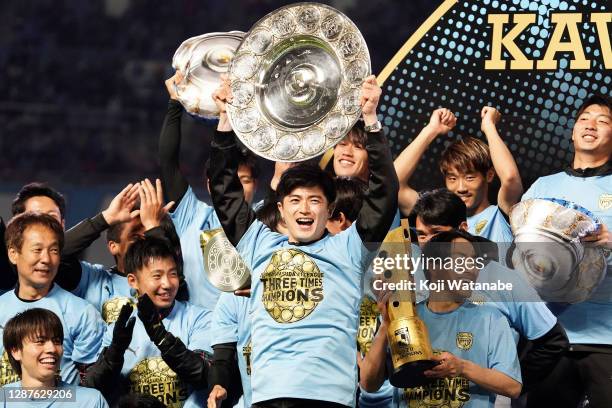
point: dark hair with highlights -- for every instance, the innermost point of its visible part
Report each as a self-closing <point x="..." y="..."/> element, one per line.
<point x="30" y="325"/>
<point x="37" y="189"/>
<point x="467" y="156"/>
<point x="305" y="175"/>
<point x="14" y="234"/>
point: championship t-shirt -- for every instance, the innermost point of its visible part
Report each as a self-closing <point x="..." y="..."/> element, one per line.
<point x="83" y="330"/>
<point x="60" y="397"/>
<point x="588" y="322"/>
<point x="144" y="370"/>
<point x="479" y="334"/>
<point x="490" y="224"/>
<point x="191" y="218"/>
<point x="231" y="323"/>
<point x="106" y="290"/>
<point x="304" y="311"/>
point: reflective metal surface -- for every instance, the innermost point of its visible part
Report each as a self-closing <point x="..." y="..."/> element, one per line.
<point x="202" y="60"/>
<point x="549" y="252"/>
<point x="225" y="268"/>
<point x="296" y="79"/>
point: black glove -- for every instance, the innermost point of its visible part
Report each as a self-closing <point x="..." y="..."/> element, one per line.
<point x="122" y="333"/>
<point x="148" y="314"/>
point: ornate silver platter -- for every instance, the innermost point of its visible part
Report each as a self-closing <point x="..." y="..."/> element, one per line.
<point x="202" y="60"/>
<point x="296" y="81"/>
<point x="548" y="250"/>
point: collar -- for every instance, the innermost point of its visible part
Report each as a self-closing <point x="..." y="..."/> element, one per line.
<point x="603" y="170"/>
<point x="325" y="233"/>
<point x="16" y="290"/>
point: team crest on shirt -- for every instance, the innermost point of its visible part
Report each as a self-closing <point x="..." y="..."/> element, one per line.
<point x="480" y="226"/>
<point x="465" y="340"/>
<point x="368" y="319"/>
<point x="605" y="201"/>
<point x="292" y="286"/>
<point x="112" y="307"/>
<point x="153" y="376"/>
<point x="246" y="352"/>
<point x="7" y="374"/>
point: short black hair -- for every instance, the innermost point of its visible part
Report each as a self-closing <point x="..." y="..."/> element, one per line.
<point x="144" y="250"/>
<point x="37" y="189"/>
<point x="595" y="99"/>
<point x="269" y="215"/>
<point x="306" y="175"/>
<point x="30" y="324"/>
<point x="349" y="197"/>
<point x="435" y="247"/>
<point x="15" y="229"/>
<point x="440" y="207"/>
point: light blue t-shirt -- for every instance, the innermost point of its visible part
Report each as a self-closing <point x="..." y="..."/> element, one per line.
<point x="479" y="334"/>
<point x="588" y="322"/>
<point x="490" y="224"/>
<point x="526" y="314"/>
<point x="231" y="323"/>
<point x="83" y="330"/>
<point x="102" y="288"/>
<point x="191" y="217"/>
<point x="304" y="310"/>
<point x="83" y="398"/>
<point x="146" y="372"/>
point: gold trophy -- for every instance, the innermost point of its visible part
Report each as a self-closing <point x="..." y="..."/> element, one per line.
<point x="411" y="352"/>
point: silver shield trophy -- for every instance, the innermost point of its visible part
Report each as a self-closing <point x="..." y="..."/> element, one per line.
<point x="296" y="80"/>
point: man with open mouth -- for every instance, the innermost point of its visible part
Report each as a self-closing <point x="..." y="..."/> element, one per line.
<point x="306" y="285"/>
<point x="33" y="340"/>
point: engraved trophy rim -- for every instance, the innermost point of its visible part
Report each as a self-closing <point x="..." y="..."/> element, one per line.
<point x="296" y="136"/>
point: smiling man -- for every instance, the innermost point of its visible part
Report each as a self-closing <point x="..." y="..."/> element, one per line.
<point x="472" y="344"/>
<point x="306" y="286"/>
<point x="34" y="339"/>
<point x="468" y="166"/>
<point x="166" y="355"/>
<point x="587" y="367"/>
<point x="34" y="242"/>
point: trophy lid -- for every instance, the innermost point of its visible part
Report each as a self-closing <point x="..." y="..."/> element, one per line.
<point x="202" y="60"/>
<point x="296" y="81"/>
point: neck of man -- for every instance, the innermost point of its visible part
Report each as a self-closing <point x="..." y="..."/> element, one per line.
<point x="29" y="292"/>
<point x="584" y="160"/>
<point x="484" y="204"/>
<point x="440" y="302"/>
<point x="31" y="382"/>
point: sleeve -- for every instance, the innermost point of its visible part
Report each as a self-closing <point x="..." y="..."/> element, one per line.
<point x="501" y="347"/>
<point x="535" y="319"/>
<point x="539" y="356"/>
<point x="91" y="277"/>
<point x="175" y="183"/>
<point x="380" y="201"/>
<point x="87" y="333"/>
<point x="190" y="362"/>
<point x="234" y="212"/>
<point x="81" y="236"/>
<point x="186" y="211"/>
<point x="224" y="324"/>
<point x="224" y="370"/>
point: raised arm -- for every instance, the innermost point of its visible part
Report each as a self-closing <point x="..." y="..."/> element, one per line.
<point x="380" y="201"/>
<point x="173" y="180"/>
<point x="234" y="212"/>
<point x="511" y="186"/>
<point x="441" y="122"/>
